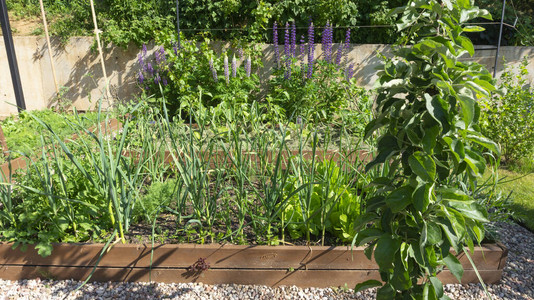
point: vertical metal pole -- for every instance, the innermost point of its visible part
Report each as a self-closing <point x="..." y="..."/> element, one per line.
<point x="500" y="37"/>
<point x="11" y="56"/>
<point x="178" y="21"/>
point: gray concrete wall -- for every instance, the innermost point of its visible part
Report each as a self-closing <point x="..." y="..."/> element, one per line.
<point x="79" y="72"/>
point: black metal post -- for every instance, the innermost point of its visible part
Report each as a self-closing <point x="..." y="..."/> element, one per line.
<point x="499" y="41"/>
<point x="11" y="56"/>
<point x="178" y="21"/>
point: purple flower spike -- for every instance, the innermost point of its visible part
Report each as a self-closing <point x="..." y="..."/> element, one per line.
<point x="160" y="56"/>
<point x="275" y="42"/>
<point x="226" y="71"/>
<point x="141" y="77"/>
<point x="213" y="71"/>
<point x="347" y="39"/>
<point x="248" y="66"/>
<point x="327" y="42"/>
<point x="150" y="69"/>
<point x="293" y="40"/>
<point x="311" y="50"/>
<point x="164" y="80"/>
<point x="144" y="50"/>
<point x="338" y="55"/>
<point x="287" y="45"/>
<point x="234" y="67"/>
<point x="175" y="48"/>
<point x="240" y="53"/>
<point x="287" y="73"/>
<point x="350" y="72"/>
<point x="287" y="52"/>
<point x="157" y="79"/>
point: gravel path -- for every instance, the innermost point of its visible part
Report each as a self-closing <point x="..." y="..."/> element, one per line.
<point x="517" y="283"/>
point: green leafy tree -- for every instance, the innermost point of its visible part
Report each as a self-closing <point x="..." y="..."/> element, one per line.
<point x="427" y="118"/>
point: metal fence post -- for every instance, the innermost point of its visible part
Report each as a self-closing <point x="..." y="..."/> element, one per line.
<point x="11" y="56"/>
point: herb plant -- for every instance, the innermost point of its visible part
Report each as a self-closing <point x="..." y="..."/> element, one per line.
<point x="429" y="137"/>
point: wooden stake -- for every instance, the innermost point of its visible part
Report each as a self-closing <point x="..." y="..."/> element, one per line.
<point x="97" y="33"/>
<point x="43" y="15"/>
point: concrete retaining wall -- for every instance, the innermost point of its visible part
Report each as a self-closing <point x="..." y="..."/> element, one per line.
<point x="79" y="72"/>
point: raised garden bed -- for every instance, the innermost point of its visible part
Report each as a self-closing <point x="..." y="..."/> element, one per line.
<point x="303" y="266"/>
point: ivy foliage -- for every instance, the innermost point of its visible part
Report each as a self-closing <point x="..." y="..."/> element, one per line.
<point x="427" y="120"/>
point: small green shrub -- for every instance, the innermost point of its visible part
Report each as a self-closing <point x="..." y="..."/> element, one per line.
<point x="508" y="119"/>
<point x="157" y="196"/>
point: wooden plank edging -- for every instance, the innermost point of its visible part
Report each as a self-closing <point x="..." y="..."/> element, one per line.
<point x="267" y="265"/>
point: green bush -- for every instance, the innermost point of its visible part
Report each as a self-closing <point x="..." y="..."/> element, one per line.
<point x="192" y="76"/>
<point x="427" y="123"/>
<point x="508" y="119"/>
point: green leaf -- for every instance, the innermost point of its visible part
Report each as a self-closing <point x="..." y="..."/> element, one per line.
<point x="44" y="249"/>
<point x="472" y="28"/>
<point x="421" y="197"/>
<point x="387" y="292"/>
<point x="429" y="139"/>
<point x="467" y="45"/>
<point x="437" y="110"/>
<point x="433" y="233"/>
<point x="464" y="3"/>
<point x="470" y="210"/>
<point x="385" y="250"/>
<point x="367" y="285"/>
<point x="491" y="145"/>
<point x="467" y="104"/>
<point x="454" y="266"/>
<point x="438" y="286"/>
<point x="423" y="166"/>
<point x="401" y="277"/>
<point x="428" y="292"/>
<point x="399" y="198"/>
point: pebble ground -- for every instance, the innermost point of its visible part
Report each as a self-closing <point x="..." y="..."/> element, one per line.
<point x="517" y="283"/>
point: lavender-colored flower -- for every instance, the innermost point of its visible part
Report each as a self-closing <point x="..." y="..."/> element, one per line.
<point x="160" y="56"/>
<point x="287" y="73"/>
<point x="311" y="50"/>
<point x="240" y="53"/>
<point x="350" y="72"/>
<point x="141" y="62"/>
<point x="226" y="71"/>
<point x="347" y="39"/>
<point x="275" y="42"/>
<point x="234" y="66"/>
<point x="141" y="77"/>
<point x="213" y="71"/>
<point x="149" y="69"/>
<point x="344" y="48"/>
<point x="287" y="45"/>
<point x="144" y="50"/>
<point x="293" y="40"/>
<point x="302" y="46"/>
<point x="248" y="66"/>
<point x="175" y="48"/>
<point x="157" y="78"/>
<point x="164" y="81"/>
<point x="327" y="42"/>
